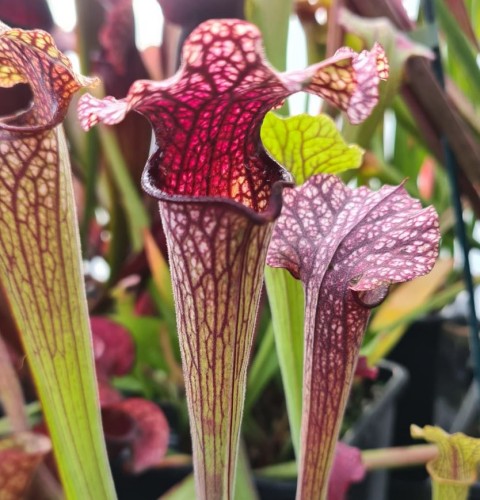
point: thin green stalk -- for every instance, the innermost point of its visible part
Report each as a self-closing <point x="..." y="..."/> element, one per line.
<point x="286" y="298"/>
<point x="459" y="47"/>
<point x="87" y="28"/>
<point x="272" y="17"/>
<point x="263" y="368"/>
<point x="90" y="170"/>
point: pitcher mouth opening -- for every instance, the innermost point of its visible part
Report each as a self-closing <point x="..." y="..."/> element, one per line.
<point x="14" y="102"/>
<point x="267" y="214"/>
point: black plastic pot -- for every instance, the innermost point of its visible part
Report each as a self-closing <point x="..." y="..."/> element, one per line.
<point x="150" y="485"/>
<point x="275" y="489"/>
<point x="374" y="429"/>
<point x="474" y="492"/>
<point x="153" y="483"/>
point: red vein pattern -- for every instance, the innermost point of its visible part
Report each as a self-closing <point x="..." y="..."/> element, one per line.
<point x="346" y="246"/>
<point x="20" y="456"/>
<point x="207" y="117"/>
<point x="219" y="193"/>
<point x="40" y="266"/>
<point x="217" y="256"/>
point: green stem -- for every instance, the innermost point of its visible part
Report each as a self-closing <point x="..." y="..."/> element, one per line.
<point x="286" y="298"/>
<point x="272" y="17"/>
<point x="263" y="368"/>
<point x="90" y="169"/>
<point x="87" y="28"/>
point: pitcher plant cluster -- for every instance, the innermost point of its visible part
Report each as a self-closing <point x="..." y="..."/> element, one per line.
<point x="228" y="207"/>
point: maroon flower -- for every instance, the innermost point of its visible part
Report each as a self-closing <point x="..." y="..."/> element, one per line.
<point x="219" y="193"/>
<point x="346" y="246"/>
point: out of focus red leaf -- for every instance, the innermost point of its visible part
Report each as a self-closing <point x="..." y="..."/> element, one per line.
<point x="393" y="9"/>
<point x="120" y="430"/>
<point x="193" y="12"/>
<point x="144" y="305"/>
<point x="150" y="442"/>
<point x="26" y="14"/>
<point x="108" y="395"/>
<point x="119" y="65"/>
<point x="117" y="35"/>
<point x="113" y="347"/>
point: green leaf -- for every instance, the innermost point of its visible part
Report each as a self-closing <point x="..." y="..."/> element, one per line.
<point x="284" y="470"/>
<point x="182" y="491"/>
<point x="460" y="51"/>
<point x="263" y="368"/>
<point x="286" y="298"/>
<point x="145" y="333"/>
<point x="160" y="289"/>
<point x="137" y="216"/>
<point x="272" y="17"/>
<point x="308" y="145"/>
<point x="159" y="269"/>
